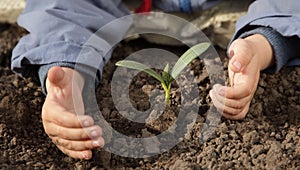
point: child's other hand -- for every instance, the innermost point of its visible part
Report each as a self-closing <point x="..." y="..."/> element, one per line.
<point x="73" y="132"/>
<point x="247" y="58"/>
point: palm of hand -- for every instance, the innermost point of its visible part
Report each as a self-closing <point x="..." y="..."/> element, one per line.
<point x="74" y="133"/>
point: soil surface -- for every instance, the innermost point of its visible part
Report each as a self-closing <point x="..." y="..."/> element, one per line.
<point x="268" y="138"/>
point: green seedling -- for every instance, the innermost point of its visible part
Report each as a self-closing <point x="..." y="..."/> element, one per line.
<point x="167" y="77"/>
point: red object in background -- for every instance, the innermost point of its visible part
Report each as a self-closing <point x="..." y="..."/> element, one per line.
<point x="145" y="7"/>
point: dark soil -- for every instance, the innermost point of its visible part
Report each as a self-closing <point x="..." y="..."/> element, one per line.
<point x="268" y="138"/>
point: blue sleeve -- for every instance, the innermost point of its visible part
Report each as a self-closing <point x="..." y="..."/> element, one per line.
<point x="187" y="6"/>
<point x="279" y="22"/>
<point x="58" y="31"/>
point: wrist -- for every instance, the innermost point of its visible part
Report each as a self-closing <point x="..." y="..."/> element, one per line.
<point x="262" y="49"/>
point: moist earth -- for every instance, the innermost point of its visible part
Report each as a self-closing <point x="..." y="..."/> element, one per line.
<point x="268" y="138"/>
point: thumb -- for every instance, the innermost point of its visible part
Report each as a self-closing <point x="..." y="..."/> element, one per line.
<point x="240" y="55"/>
<point x="56" y="76"/>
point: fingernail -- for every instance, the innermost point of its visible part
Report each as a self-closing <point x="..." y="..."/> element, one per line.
<point x="222" y="91"/>
<point x="86" y="123"/>
<point x="96" y="144"/>
<point x="211" y="94"/>
<point x="94" y="133"/>
<point x="237" y="65"/>
<point x="230" y="54"/>
<point x="216" y="87"/>
<point x="84" y="155"/>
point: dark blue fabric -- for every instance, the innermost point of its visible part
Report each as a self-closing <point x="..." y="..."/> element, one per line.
<point x="185" y="6"/>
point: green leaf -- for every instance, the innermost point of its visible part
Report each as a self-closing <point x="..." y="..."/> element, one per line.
<point x="165" y="74"/>
<point x="166" y="69"/>
<point x="187" y="57"/>
<point x="141" y="67"/>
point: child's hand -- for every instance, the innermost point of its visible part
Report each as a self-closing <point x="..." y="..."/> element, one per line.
<point x="73" y="133"/>
<point x="247" y="58"/>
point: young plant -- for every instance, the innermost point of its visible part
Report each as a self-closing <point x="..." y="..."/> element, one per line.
<point x="166" y="78"/>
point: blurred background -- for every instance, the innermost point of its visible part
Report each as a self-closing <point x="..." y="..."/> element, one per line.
<point x="10" y="10"/>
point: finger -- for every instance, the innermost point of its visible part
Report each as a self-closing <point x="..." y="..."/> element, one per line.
<point x="238" y="91"/>
<point x="222" y="108"/>
<point x="240" y="55"/>
<point x="231" y="76"/>
<point x="233" y="103"/>
<point x="239" y="116"/>
<point x="86" y="155"/>
<point x="66" y="119"/>
<point x="78" y="145"/>
<point x="73" y="133"/>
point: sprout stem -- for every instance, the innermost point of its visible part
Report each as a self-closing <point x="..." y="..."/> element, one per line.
<point x="167" y="94"/>
<point x="167" y="97"/>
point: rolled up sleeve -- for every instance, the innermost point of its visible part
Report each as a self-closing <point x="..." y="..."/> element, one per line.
<point x="59" y="31"/>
